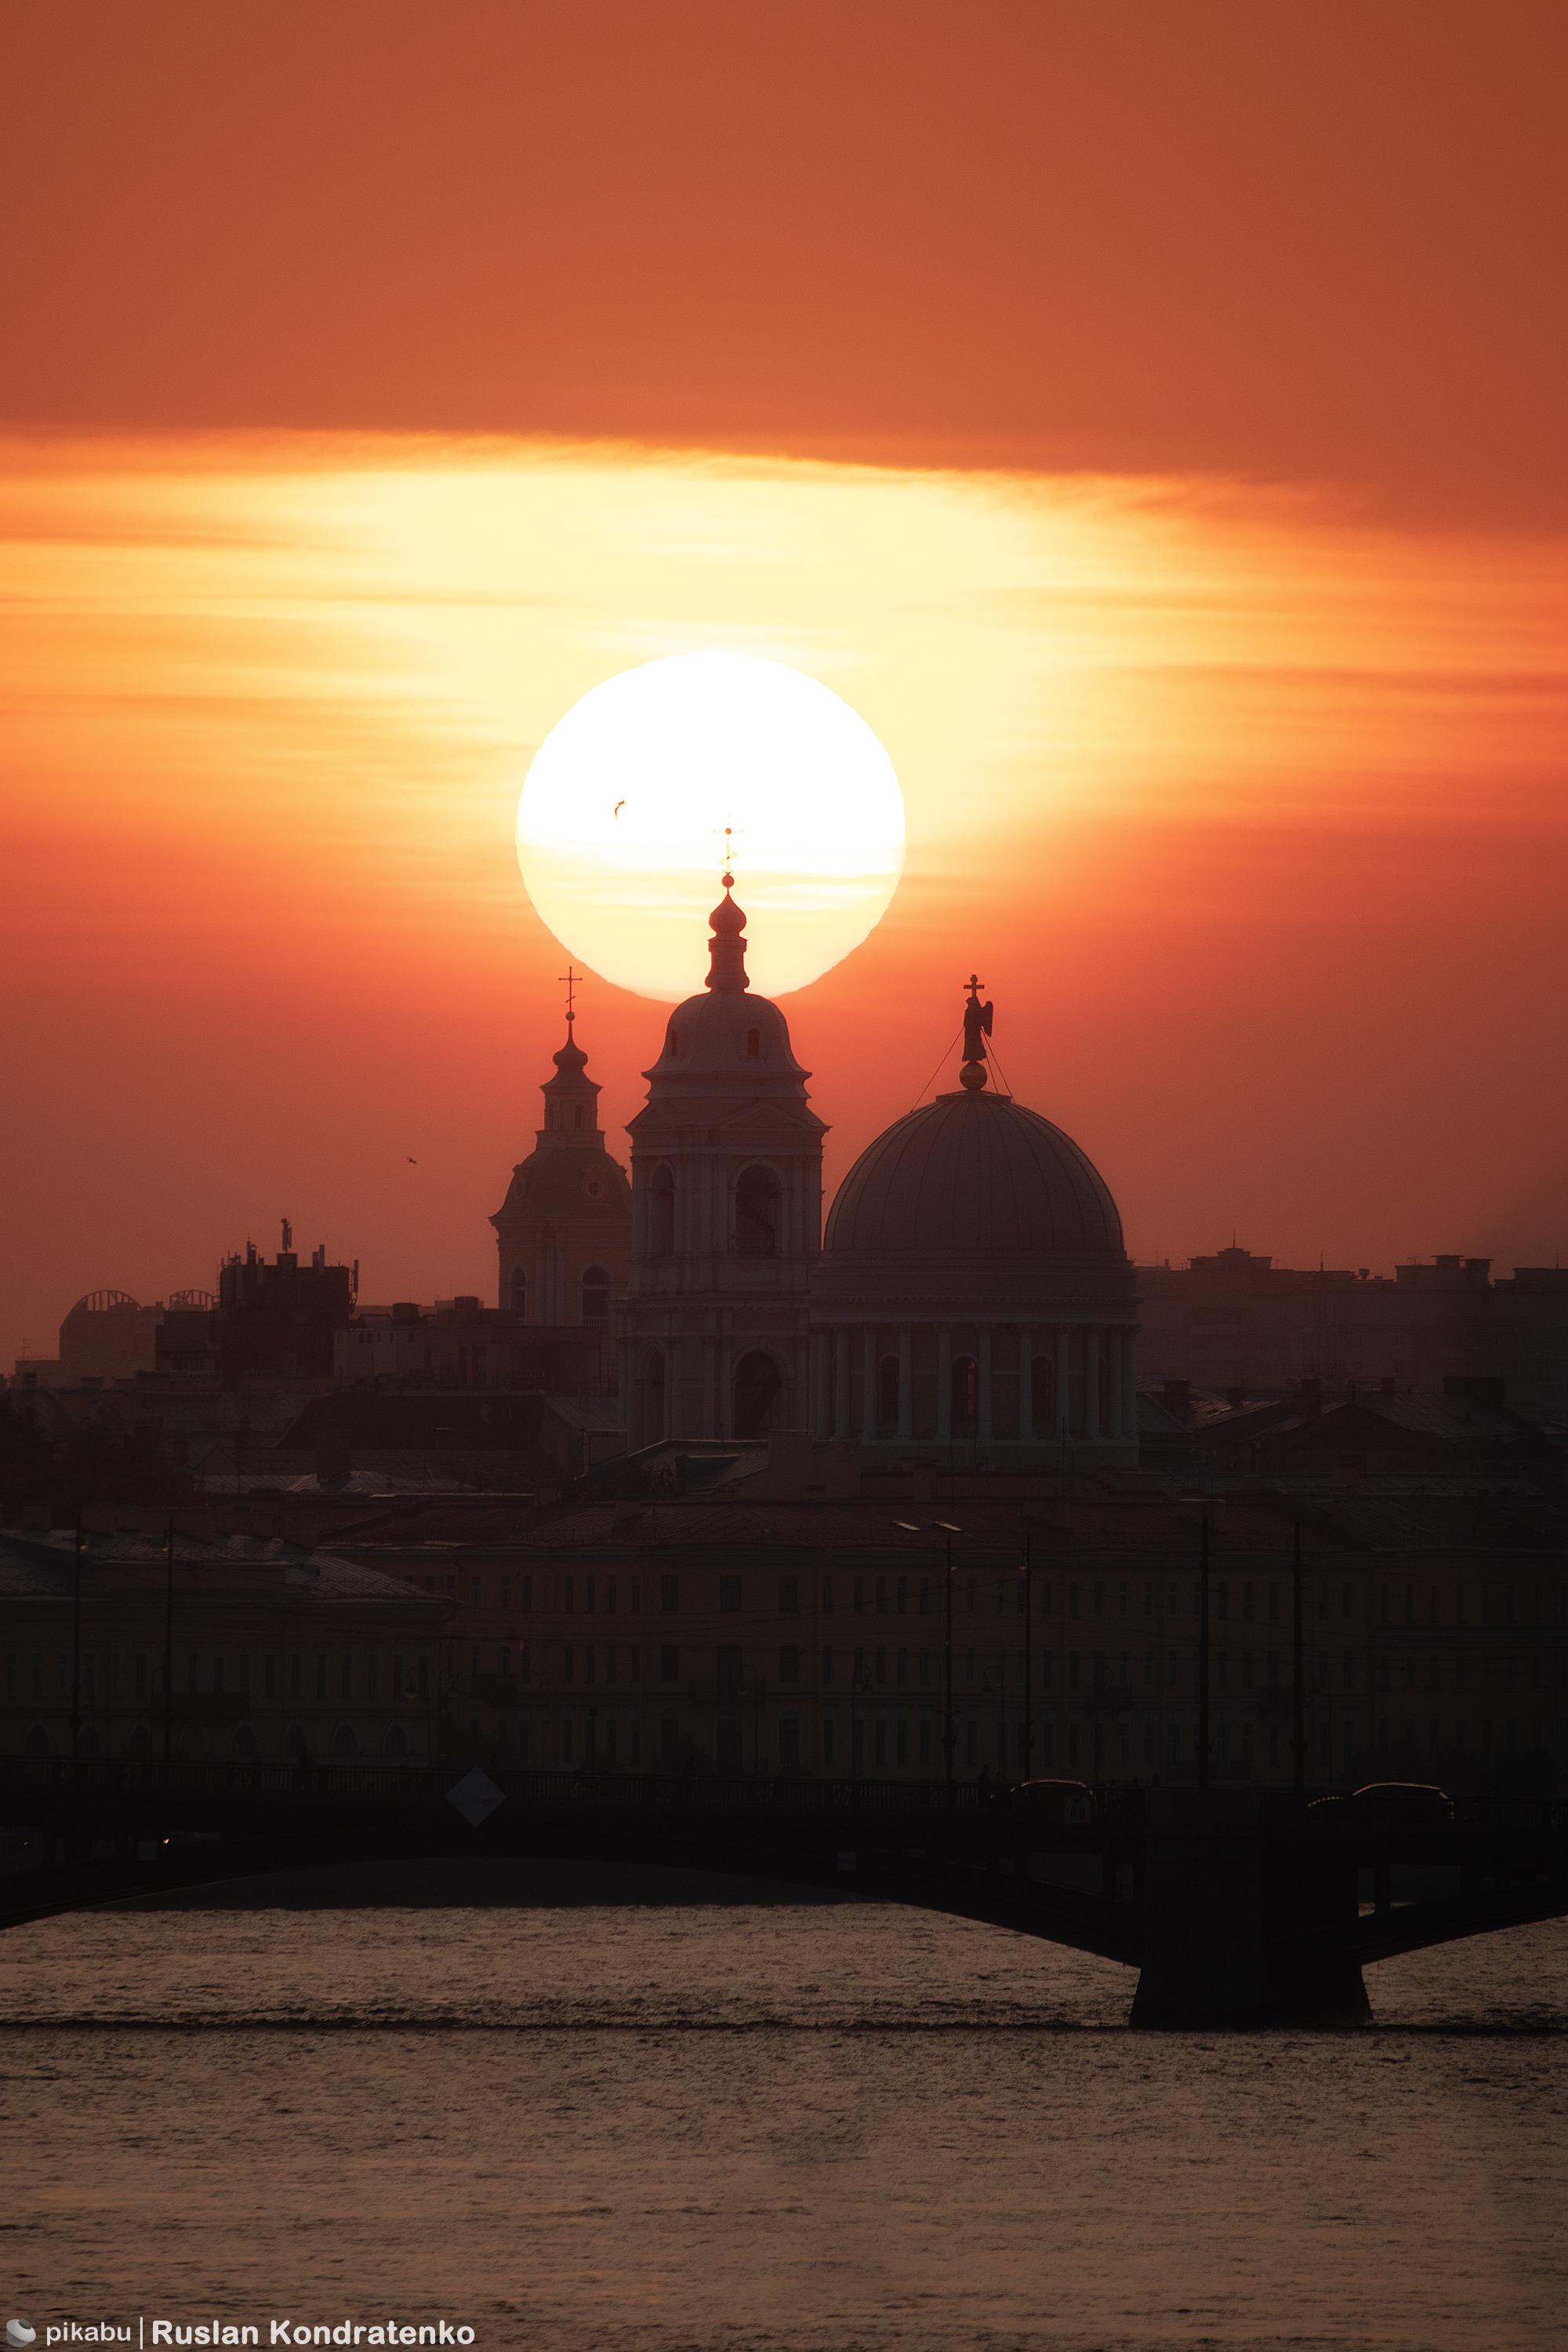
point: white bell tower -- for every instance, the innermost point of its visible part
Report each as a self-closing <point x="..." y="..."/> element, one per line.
<point x="726" y="1217"/>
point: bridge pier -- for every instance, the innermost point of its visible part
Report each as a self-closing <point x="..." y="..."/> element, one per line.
<point x="1234" y="1901"/>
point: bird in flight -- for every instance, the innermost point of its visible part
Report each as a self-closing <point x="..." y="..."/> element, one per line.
<point x="618" y="807"/>
<point x="413" y="1163"/>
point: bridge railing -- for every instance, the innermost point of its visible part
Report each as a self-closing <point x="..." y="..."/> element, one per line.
<point x="142" y="1780"/>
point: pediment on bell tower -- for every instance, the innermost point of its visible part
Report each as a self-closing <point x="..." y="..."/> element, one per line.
<point x="789" y="1122"/>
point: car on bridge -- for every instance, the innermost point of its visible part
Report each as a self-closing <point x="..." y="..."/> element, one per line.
<point x="1056" y="1804"/>
<point x="1392" y="1804"/>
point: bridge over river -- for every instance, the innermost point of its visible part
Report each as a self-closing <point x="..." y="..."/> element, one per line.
<point x="1238" y="1905"/>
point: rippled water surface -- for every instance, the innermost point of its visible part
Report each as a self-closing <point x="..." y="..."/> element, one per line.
<point x="575" y="2107"/>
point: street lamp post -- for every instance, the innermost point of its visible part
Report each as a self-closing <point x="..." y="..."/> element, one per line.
<point x="169" y="1649"/>
<point x="1029" y="1658"/>
<point x="76" y="1648"/>
<point x="1204" y="1658"/>
<point x="1297" y="1692"/>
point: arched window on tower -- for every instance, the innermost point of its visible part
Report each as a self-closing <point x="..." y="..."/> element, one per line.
<point x="653" y="1427"/>
<point x="661" y="1214"/>
<point x="965" y="1396"/>
<point x="757" y="1213"/>
<point x="753" y="1045"/>
<point x="757" y="1393"/>
<point x="596" y="1296"/>
<point x="519" y="1291"/>
<point x="1043" y="1397"/>
<point x="888" y="1378"/>
<point x="576" y="1114"/>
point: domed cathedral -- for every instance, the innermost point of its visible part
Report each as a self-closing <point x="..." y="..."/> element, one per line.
<point x="562" y="1230"/>
<point x="974" y="1292"/>
<point x="726" y="1216"/>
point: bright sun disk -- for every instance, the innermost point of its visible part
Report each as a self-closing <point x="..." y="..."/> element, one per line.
<point x="620" y="828"/>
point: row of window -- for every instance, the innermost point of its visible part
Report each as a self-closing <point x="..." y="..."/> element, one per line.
<point x="903" y="1596"/>
<point x="295" y="1674"/>
<point x="881" y="1741"/>
<point x="1433" y="1669"/>
<point x="1509" y="1604"/>
<point x="245" y="1741"/>
<point x="613" y="1663"/>
<point x="593" y="1294"/>
<point x="348" y="1675"/>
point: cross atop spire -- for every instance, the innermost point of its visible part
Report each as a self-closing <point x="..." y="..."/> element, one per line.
<point x="729" y="831"/>
<point x="570" y="977"/>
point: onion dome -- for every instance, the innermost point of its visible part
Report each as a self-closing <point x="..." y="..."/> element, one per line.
<point x="711" y="1040"/>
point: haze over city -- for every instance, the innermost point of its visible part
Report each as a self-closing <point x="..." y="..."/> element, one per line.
<point x="1198" y="561"/>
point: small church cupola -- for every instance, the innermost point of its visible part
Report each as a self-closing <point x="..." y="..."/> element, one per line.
<point x="562" y="1230"/>
<point x="570" y="1097"/>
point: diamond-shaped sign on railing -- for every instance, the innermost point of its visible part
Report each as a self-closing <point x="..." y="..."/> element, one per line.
<point x="476" y="1797"/>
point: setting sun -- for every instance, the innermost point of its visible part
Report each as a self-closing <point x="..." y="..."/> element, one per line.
<point x="637" y="794"/>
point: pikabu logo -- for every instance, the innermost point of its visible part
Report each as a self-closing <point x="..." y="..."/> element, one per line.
<point x="18" y="2332"/>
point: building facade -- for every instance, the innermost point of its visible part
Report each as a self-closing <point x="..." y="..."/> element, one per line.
<point x="253" y="1649"/>
<point x="814" y="1640"/>
<point x="1236" y="1320"/>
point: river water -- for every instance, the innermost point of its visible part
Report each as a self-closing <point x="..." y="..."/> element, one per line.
<point x="594" y="2110"/>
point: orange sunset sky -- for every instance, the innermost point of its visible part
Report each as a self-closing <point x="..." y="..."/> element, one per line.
<point x="1150" y="418"/>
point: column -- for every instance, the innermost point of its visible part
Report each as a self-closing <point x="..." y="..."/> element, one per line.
<point x="906" y="1384"/>
<point x="841" y="1381"/>
<point x="630" y="1412"/>
<point x="674" y="1401"/>
<point x="983" y="1418"/>
<point x="1064" y="1380"/>
<point x="710" y="1387"/>
<point x="724" y="1418"/>
<point x="1091" y="1380"/>
<point x="869" y="1384"/>
<point x="1026" y="1382"/>
<point x="1128" y="1383"/>
<point x="944" y="1382"/>
<point x="1113" y="1384"/>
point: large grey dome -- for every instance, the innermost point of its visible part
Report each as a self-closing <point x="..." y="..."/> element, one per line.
<point x="974" y="1172"/>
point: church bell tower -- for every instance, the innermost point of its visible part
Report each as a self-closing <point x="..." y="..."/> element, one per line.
<point x="726" y="1217"/>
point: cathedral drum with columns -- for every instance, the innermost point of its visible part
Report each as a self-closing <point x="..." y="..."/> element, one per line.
<point x="973" y="1299"/>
